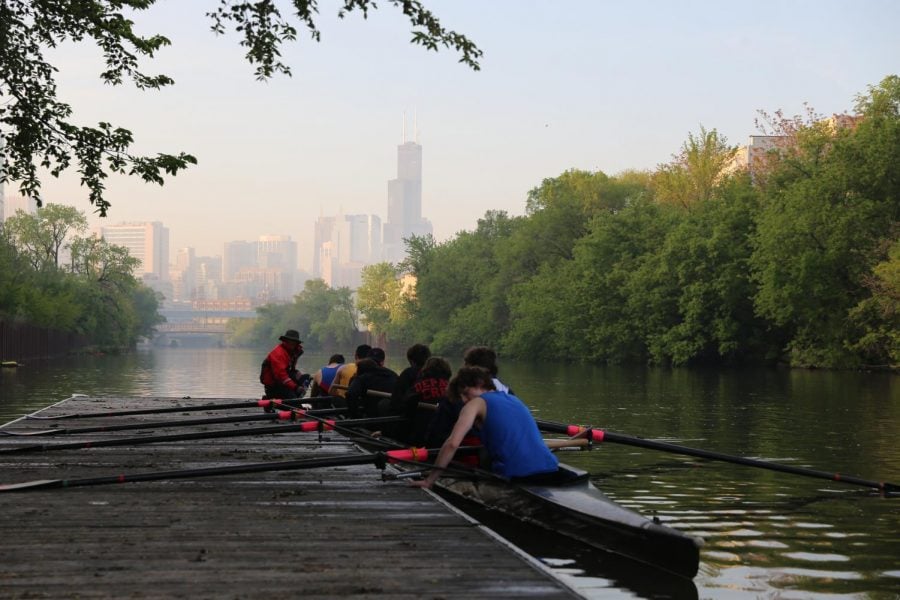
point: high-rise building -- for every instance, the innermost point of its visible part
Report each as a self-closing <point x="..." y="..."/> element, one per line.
<point x="9" y="204"/>
<point x="237" y="255"/>
<point x="343" y="246"/>
<point x="276" y="252"/>
<point x="147" y="242"/>
<point x="405" y="201"/>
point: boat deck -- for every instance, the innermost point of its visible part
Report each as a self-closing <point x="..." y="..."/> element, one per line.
<point x="332" y="532"/>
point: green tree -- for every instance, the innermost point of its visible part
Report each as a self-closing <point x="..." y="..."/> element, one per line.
<point x="537" y="262"/>
<point x="323" y="316"/>
<point x="37" y="125"/>
<point x="699" y="287"/>
<point x="42" y="235"/>
<point x="830" y="214"/>
<point x="878" y="317"/>
<point x="381" y="301"/>
<point x="459" y="296"/>
<point x="694" y="173"/>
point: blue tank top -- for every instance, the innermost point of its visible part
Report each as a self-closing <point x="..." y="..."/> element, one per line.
<point x="512" y="438"/>
<point x="328" y="377"/>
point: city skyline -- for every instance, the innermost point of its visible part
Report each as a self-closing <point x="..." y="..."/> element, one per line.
<point x="592" y="85"/>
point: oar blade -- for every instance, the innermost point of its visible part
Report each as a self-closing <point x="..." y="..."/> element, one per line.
<point x="31" y="433"/>
<point x="31" y="485"/>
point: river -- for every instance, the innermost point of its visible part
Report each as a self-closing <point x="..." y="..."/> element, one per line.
<point x="768" y="535"/>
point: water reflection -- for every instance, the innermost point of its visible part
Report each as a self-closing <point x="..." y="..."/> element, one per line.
<point x="768" y="534"/>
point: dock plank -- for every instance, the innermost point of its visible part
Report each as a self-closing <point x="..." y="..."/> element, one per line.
<point x="336" y="532"/>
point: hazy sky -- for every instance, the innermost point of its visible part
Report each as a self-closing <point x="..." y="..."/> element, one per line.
<point x="596" y="85"/>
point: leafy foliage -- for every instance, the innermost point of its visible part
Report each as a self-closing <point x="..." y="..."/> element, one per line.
<point x="323" y="316"/>
<point x="37" y="126"/>
<point x="95" y="295"/>
<point x="689" y="264"/>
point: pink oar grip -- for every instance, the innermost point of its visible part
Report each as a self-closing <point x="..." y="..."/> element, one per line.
<point x="314" y="426"/>
<point x="409" y="454"/>
<point x="575" y="430"/>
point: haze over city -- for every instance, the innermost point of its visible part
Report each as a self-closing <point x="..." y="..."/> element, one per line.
<point x="586" y="85"/>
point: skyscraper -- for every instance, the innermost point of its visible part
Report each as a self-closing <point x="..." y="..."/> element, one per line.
<point x="147" y="242"/>
<point x="343" y="246"/>
<point x="405" y="200"/>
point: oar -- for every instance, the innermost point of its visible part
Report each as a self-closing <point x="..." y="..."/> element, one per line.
<point x="281" y="415"/>
<point x="599" y="435"/>
<point x="378" y="459"/>
<point x="306" y="426"/>
<point x="266" y="403"/>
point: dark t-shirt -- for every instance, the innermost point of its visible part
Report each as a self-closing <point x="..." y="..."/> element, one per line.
<point x="359" y="402"/>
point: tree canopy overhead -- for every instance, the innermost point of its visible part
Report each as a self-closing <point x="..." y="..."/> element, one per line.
<point x="36" y="127"/>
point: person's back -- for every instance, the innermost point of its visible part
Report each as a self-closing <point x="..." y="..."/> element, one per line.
<point x="324" y="377"/>
<point x="278" y="372"/>
<point x="508" y="432"/>
<point x="370" y="376"/>
<point x="416" y="355"/>
<point x="511" y="437"/>
<point x="430" y="387"/>
<point x="345" y="373"/>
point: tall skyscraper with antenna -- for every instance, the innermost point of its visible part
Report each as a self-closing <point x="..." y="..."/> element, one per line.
<point x="404" y="215"/>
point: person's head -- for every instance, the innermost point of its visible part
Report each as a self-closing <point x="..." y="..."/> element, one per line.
<point x="481" y="356"/>
<point x="417" y="354"/>
<point x="362" y="351"/>
<point x="336" y="359"/>
<point x="291" y="339"/>
<point x="467" y="379"/>
<point x="437" y="367"/>
<point x="377" y="354"/>
<point x="365" y="365"/>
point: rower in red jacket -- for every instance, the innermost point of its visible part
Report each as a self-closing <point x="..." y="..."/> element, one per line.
<point x="279" y="372"/>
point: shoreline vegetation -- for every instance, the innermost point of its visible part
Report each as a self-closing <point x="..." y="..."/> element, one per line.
<point x="789" y="258"/>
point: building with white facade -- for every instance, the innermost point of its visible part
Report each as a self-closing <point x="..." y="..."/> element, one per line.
<point x="147" y="242"/>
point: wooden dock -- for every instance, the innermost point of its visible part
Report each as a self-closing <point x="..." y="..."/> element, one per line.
<point x="319" y="533"/>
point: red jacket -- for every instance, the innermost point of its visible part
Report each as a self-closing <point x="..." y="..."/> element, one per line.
<point x="280" y="367"/>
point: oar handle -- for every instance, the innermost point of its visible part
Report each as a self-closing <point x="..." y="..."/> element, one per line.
<point x="375" y="393"/>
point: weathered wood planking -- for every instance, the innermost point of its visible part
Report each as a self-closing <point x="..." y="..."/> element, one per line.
<point x="336" y="532"/>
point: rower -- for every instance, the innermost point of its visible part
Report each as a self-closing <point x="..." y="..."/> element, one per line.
<point x="323" y="377"/>
<point x="508" y="432"/>
<point x="416" y="355"/>
<point x="279" y="374"/>
<point x="430" y="427"/>
<point x="346" y="373"/>
<point x="371" y="374"/>
<point x="482" y="356"/>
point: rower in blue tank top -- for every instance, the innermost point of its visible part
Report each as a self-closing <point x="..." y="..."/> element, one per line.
<point x="323" y="378"/>
<point x="508" y="430"/>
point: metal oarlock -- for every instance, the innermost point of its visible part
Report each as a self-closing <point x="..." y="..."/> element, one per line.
<point x="385" y="476"/>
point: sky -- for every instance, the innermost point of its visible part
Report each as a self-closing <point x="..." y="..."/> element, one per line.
<point x="568" y="84"/>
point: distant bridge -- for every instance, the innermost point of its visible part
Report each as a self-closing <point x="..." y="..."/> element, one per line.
<point x="191" y="327"/>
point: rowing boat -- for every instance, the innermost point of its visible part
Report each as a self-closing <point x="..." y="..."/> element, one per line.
<point x="581" y="511"/>
<point x="577" y="510"/>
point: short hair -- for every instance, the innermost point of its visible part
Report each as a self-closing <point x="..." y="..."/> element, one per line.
<point x="336" y="358"/>
<point x="417" y="354"/>
<point x="436" y="366"/>
<point x="377" y="354"/>
<point x="469" y="377"/>
<point x="362" y="351"/>
<point x="365" y="365"/>
<point x="481" y="356"/>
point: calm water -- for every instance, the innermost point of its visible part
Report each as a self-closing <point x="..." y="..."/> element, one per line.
<point x="768" y="535"/>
